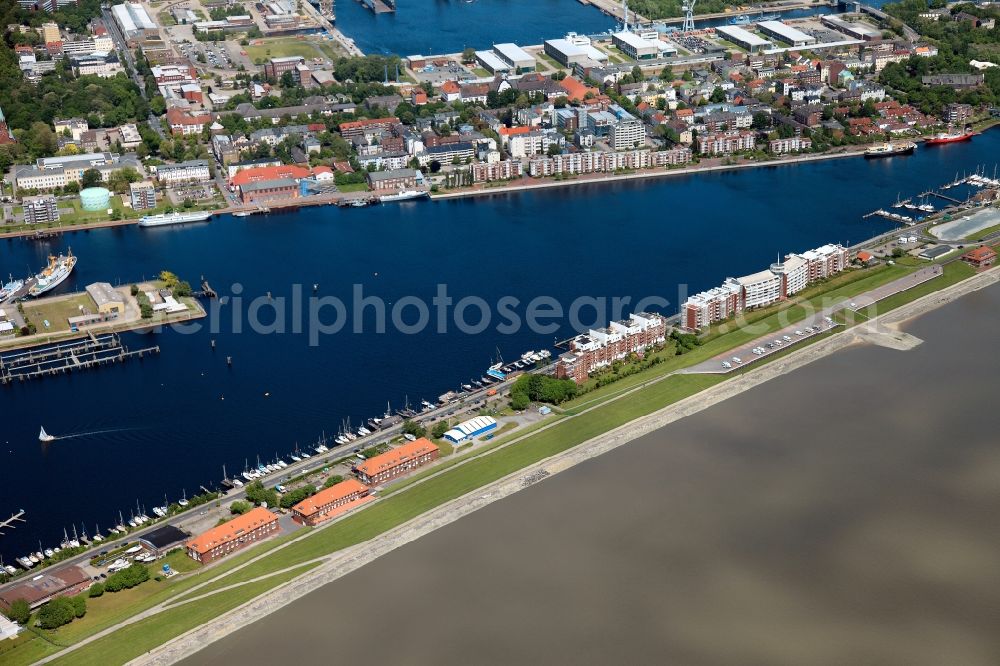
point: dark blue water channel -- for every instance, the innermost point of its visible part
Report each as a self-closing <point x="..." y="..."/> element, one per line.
<point x="185" y="413"/>
<point x="449" y="26"/>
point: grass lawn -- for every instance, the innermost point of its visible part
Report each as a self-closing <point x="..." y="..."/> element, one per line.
<point x="283" y="47"/>
<point x="983" y="233"/>
<point x="479" y="71"/>
<point x="131" y="641"/>
<point x="396" y="509"/>
<point x="56" y="312"/>
<point x="353" y="187"/>
<point x="445" y="447"/>
<point x="954" y="272"/>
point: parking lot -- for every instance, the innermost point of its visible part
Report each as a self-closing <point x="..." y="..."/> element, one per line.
<point x="765" y="346"/>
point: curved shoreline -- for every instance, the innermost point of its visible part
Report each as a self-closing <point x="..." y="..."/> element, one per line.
<point x="338" y="564"/>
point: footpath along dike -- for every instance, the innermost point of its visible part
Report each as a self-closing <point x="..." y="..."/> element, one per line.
<point x="338" y="564"/>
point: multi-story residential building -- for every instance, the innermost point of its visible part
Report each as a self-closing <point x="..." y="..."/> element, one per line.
<point x="40" y="209"/>
<point x="447" y="153"/>
<point x="50" y="32"/>
<point x="724" y="143"/>
<point x="254" y="525"/>
<point x="193" y="171"/>
<point x="397" y="461"/>
<point x="760" y="289"/>
<point x="780" y="281"/>
<point x="142" y="195"/>
<point x="791" y="144"/>
<point x="826" y="261"/>
<point x="599" y="348"/>
<point x="957" y="113"/>
<point x="354" y="128"/>
<point x="628" y="132"/>
<point x="502" y="170"/>
<point x="590" y="162"/>
<point x="714" y="305"/>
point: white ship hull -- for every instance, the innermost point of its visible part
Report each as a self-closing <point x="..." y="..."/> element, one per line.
<point x="403" y="195"/>
<point x="173" y="218"/>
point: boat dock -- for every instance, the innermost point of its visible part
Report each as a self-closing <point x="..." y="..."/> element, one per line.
<point x="66" y="357"/>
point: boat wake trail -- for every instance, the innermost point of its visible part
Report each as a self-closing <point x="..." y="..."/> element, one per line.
<point x="89" y="433"/>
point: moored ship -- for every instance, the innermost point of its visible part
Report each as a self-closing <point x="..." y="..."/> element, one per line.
<point x="948" y="137"/>
<point x="403" y="195"/>
<point x="164" y="219"/>
<point x="54" y="274"/>
<point x="891" y="148"/>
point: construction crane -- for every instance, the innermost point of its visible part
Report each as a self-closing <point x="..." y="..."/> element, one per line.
<point x="688" y="8"/>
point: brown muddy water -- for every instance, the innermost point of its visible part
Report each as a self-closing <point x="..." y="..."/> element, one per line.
<point x="844" y="514"/>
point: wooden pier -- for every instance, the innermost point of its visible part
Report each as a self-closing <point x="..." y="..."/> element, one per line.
<point x="10" y="522"/>
<point x="66" y="357"/>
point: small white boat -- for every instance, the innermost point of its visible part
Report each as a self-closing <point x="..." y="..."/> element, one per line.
<point x="49" y="552"/>
<point x="44" y="436"/>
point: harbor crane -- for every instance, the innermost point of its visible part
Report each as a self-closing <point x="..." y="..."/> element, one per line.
<point x="688" y="8"/>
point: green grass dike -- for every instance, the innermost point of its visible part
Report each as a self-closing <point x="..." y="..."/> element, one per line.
<point x="585" y="417"/>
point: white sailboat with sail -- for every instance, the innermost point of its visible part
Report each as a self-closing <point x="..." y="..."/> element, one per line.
<point x="44" y="436"/>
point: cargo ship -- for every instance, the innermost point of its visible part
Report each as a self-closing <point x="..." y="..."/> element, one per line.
<point x="174" y="218"/>
<point x="948" y="137"/>
<point x="54" y="274"/>
<point x="403" y="195"/>
<point x="891" y="149"/>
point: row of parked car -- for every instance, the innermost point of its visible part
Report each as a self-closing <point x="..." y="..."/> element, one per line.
<point x="778" y="342"/>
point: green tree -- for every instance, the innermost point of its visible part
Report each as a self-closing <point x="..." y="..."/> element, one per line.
<point x="469" y="55"/>
<point x="56" y="613"/>
<point x="440" y="428"/>
<point x="96" y="590"/>
<point x="411" y="427"/>
<point x="90" y="178"/>
<point x="79" y="605"/>
<point x="239" y="507"/>
<point x="258" y="494"/>
<point x="19" y="611"/>
<point x="333" y="480"/>
<point x="637" y="76"/>
<point x="718" y="96"/>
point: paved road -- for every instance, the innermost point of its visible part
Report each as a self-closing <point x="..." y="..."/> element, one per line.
<point x="802" y="330"/>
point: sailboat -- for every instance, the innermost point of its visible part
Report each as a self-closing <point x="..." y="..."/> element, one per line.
<point x="45" y="437"/>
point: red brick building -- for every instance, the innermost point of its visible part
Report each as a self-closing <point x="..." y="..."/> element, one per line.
<point x="397" y="462"/>
<point x="330" y="502"/>
<point x="255" y="525"/>
<point x="981" y="257"/>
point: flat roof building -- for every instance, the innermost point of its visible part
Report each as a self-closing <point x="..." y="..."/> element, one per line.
<point x="512" y="54"/>
<point x="163" y="539"/>
<point x="569" y="53"/>
<point x="491" y="62"/>
<point x="856" y="29"/>
<point x="785" y="33"/>
<point x="634" y="46"/>
<point x="742" y="38"/>
<point x="330" y="502"/>
<point x="254" y="525"/>
<point x="397" y="462"/>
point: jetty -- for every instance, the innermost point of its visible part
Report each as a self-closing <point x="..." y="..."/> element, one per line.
<point x="51" y="360"/>
<point x="15" y="518"/>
